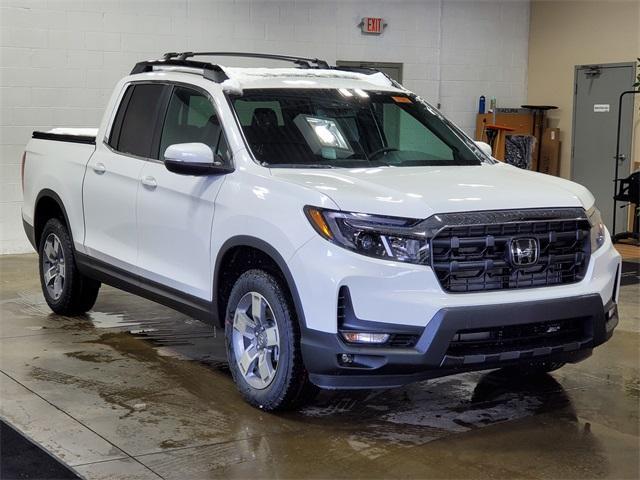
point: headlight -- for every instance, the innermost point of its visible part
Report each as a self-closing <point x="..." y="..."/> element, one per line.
<point x="598" y="230"/>
<point x="389" y="238"/>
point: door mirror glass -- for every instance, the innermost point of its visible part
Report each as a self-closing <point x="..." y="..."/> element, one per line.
<point x="485" y="147"/>
<point x="193" y="159"/>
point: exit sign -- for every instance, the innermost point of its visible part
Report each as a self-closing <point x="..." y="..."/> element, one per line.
<point x="373" y="25"/>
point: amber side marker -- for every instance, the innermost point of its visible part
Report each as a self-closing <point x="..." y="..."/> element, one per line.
<point x="317" y="220"/>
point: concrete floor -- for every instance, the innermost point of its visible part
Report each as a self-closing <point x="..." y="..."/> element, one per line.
<point x="135" y="390"/>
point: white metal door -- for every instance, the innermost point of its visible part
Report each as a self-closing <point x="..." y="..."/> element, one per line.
<point x="109" y="195"/>
<point x="175" y="212"/>
<point x="112" y="178"/>
<point x="175" y="216"/>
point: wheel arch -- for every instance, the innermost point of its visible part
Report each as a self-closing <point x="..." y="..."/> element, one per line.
<point x="264" y="256"/>
<point x="48" y="205"/>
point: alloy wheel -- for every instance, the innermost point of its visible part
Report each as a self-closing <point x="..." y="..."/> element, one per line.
<point x="256" y="340"/>
<point x="53" y="266"/>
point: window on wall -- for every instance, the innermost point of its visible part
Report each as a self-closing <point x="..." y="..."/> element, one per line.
<point x="136" y="120"/>
<point x="191" y="118"/>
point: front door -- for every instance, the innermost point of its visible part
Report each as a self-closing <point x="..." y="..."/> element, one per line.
<point x="112" y="178"/>
<point x="597" y="93"/>
<point x="175" y="212"/>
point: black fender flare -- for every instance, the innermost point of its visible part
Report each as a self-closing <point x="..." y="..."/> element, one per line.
<point x="266" y="248"/>
<point x="47" y="193"/>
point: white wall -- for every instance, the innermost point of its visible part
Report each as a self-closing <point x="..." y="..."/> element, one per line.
<point x="60" y="58"/>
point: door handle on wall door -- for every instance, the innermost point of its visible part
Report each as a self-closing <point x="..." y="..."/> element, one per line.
<point x="149" y="182"/>
<point x="99" y="168"/>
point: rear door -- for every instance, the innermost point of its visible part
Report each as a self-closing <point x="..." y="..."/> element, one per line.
<point x="112" y="177"/>
<point x="175" y="212"/>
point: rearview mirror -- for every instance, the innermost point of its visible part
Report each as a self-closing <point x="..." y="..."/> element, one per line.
<point x="194" y="159"/>
<point x="485" y="147"/>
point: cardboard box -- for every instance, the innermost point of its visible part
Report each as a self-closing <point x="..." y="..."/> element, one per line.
<point x="550" y="152"/>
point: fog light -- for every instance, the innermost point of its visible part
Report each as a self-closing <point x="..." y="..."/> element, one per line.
<point x="346" y="358"/>
<point x="365" y="337"/>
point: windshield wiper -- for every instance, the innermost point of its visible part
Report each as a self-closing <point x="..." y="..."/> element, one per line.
<point x="297" y="165"/>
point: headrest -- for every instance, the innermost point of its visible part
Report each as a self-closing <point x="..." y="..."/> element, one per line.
<point x="264" y="118"/>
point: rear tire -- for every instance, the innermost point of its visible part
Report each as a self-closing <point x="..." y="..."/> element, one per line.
<point x="263" y="344"/>
<point x="65" y="289"/>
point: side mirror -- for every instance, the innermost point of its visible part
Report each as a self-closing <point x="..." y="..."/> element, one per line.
<point x="485" y="147"/>
<point x="194" y="159"/>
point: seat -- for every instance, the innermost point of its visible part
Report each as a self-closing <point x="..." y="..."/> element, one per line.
<point x="264" y="119"/>
<point x="273" y="143"/>
<point x="264" y="133"/>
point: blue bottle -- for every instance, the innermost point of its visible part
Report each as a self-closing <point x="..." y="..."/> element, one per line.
<point x="481" y="108"/>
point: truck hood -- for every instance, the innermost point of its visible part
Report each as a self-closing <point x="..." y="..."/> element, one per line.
<point x="419" y="192"/>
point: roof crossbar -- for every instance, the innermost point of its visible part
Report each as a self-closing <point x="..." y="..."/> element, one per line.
<point x="300" y="61"/>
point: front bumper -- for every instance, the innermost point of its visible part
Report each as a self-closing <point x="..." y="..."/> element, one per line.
<point x="378" y="366"/>
<point x="393" y="292"/>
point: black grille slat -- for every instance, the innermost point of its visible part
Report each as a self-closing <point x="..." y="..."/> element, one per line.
<point x="472" y="258"/>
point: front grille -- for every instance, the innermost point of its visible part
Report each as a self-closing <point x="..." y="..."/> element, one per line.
<point x="471" y="258"/>
<point x="487" y="341"/>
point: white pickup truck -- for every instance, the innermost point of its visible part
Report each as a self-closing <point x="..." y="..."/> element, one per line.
<point x="340" y="230"/>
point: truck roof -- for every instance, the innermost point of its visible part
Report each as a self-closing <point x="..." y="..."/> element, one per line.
<point x="265" y="77"/>
<point x="308" y="73"/>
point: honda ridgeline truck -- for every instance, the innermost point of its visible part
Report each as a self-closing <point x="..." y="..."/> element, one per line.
<point x="338" y="228"/>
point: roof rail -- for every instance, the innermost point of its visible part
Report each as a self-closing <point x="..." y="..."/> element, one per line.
<point x="209" y="70"/>
<point x="181" y="61"/>
<point x="300" y="61"/>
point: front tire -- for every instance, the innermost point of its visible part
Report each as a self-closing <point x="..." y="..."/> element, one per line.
<point x="534" y="368"/>
<point x="65" y="289"/>
<point x="263" y="344"/>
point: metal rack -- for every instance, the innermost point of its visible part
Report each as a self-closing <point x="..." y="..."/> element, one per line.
<point x="181" y="61"/>
<point x="619" y="188"/>
<point x="300" y="61"/>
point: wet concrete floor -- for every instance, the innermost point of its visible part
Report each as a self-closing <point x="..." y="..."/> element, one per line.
<point x="136" y="390"/>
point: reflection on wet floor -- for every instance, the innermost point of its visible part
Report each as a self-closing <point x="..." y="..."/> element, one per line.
<point x="415" y="414"/>
<point x="436" y="407"/>
<point x="151" y="390"/>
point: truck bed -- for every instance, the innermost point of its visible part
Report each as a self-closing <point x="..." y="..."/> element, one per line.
<point x="55" y="164"/>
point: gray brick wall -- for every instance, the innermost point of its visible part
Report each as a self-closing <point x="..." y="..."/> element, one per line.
<point x="59" y="59"/>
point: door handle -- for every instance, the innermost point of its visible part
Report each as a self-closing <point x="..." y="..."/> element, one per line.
<point x="149" y="182"/>
<point x="99" y="168"/>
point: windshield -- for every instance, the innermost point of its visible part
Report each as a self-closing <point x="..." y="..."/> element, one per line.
<point x="348" y="128"/>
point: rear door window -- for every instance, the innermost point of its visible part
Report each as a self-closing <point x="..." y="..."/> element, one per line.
<point x="137" y="119"/>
